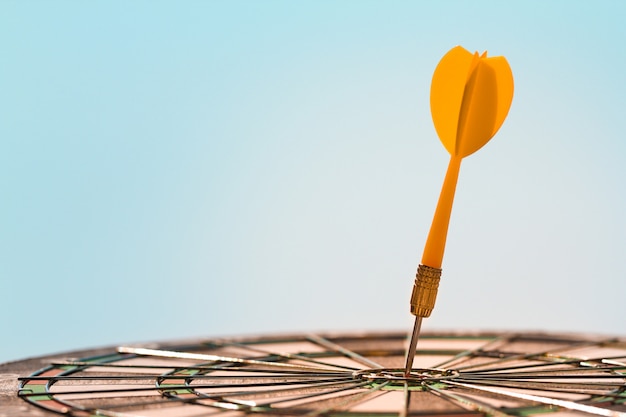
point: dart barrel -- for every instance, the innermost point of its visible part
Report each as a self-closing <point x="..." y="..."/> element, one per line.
<point x="425" y="290"/>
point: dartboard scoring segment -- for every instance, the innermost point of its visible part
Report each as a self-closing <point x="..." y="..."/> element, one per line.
<point x="455" y="374"/>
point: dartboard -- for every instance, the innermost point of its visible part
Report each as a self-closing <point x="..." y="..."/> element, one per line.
<point x="339" y="375"/>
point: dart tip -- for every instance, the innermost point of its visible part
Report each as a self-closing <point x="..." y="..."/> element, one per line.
<point x="410" y="355"/>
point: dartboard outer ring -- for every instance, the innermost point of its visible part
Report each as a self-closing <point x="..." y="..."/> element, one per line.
<point x="455" y="374"/>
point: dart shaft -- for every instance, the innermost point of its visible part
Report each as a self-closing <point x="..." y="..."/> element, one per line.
<point x="436" y="241"/>
<point x="428" y="274"/>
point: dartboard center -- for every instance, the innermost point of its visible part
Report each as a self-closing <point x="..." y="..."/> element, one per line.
<point x="395" y="378"/>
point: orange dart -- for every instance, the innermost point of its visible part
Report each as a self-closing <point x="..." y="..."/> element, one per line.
<point x="470" y="96"/>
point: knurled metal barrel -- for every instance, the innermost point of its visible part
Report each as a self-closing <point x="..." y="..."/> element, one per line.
<point x="425" y="290"/>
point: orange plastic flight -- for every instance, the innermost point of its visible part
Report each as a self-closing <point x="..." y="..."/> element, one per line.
<point x="470" y="97"/>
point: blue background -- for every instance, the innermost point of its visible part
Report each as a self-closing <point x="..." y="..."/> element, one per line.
<point x="182" y="169"/>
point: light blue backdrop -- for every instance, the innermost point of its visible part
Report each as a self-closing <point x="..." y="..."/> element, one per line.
<point x="181" y="169"/>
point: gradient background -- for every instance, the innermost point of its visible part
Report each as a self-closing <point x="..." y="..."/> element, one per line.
<point x="182" y="169"/>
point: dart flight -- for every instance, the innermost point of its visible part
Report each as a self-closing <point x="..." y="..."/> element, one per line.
<point x="470" y="97"/>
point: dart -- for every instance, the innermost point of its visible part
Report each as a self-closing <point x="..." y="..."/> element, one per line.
<point x="470" y="96"/>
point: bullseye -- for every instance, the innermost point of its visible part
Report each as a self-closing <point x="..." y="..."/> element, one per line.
<point x="395" y="377"/>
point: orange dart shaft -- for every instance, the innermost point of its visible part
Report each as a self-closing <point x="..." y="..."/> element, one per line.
<point x="436" y="241"/>
<point x="428" y="274"/>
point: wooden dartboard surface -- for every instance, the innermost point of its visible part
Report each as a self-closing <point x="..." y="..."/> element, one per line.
<point x="336" y="374"/>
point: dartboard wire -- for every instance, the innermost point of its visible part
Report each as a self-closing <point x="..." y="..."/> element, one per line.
<point x="550" y="388"/>
<point x="213" y="367"/>
<point x="299" y="378"/>
<point x="581" y="387"/>
<point x="354" y="385"/>
<point x="58" y="395"/>
<point x="464" y="402"/>
<point x="472" y="353"/>
<point x="545" y="356"/>
<point x="263" y="374"/>
<point x="137" y="404"/>
<point x="224" y="400"/>
<point x="563" y="373"/>
<point x="487" y="350"/>
<point x="106" y="413"/>
<point x="571" y="366"/>
<point x="346" y="352"/>
<point x="215" y="358"/>
<point x="585" y="365"/>
<point x="570" y="405"/>
<point x="306" y="383"/>
<point x="353" y="399"/>
<point x="281" y="354"/>
<point x="591" y="382"/>
<point x="407" y="400"/>
<point x="26" y="392"/>
<point x="286" y="389"/>
<point x="221" y="402"/>
<point x="67" y="408"/>
<point x="610" y="361"/>
<point x="554" y="376"/>
<point x="152" y="377"/>
<point x="142" y="404"/>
